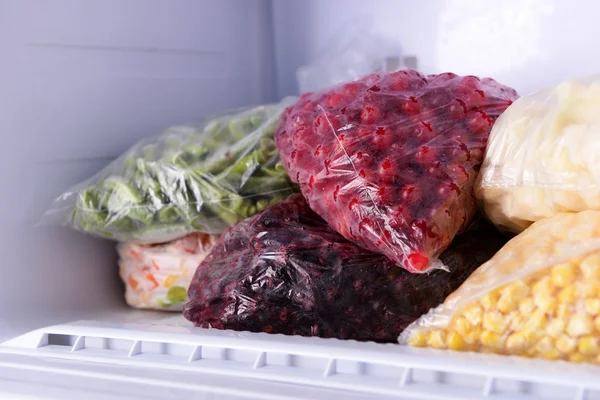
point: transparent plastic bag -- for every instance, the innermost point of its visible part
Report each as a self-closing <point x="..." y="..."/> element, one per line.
<point x="539" y="296"/>
<point x="157" y="276"/>
<point x="543" y="156"/>
<point x="390" y="160"/>
<point x="286" y="271"/>
<point x="199" y="177"/>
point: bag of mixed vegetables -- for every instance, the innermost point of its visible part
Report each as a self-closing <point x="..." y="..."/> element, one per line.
<point x="200" y="177"/>
<point x="539" y="296"/>
<point x="157" y="276"/>
<point x="286" y="271"/>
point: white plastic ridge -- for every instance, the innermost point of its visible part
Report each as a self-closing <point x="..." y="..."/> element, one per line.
<point x="384" y="369"/>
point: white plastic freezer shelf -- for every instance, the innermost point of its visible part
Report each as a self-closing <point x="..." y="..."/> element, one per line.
<point x="313" y="367"/>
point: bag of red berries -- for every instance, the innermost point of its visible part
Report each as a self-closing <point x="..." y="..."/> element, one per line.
<point x="390" y="160"/>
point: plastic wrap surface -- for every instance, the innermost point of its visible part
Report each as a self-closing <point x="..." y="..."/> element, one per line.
<point x="391" y="159"/>
<point x="200" y="177"/>
<point x="157" y="276"/>
<point x="539" y="296"/>
<point x="286" y="271"/>
<point x="543" y="156"/>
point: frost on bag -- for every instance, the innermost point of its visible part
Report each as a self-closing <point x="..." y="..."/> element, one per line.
<point x="537" y="297"/>
<point x="390" y="160"/>
<point x="200" y="177"/>
<point x="157" y="276"/>
<point x="286" y="271"/>
<point x="543" y="156"/>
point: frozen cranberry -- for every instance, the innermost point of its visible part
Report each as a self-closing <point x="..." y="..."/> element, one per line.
<point x="370" y="114"/>
<point x="411" y="106"/>
<point x="426" y="155"/>
<point x="337" y="100"/>
<point x="383" y="137"/>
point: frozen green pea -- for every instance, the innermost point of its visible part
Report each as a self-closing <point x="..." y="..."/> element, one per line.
<point x="177" y="294"/>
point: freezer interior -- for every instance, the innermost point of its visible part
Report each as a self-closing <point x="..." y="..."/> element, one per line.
<point x="82" y="81"/>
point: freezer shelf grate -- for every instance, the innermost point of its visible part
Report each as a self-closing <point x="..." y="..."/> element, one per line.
<point x="388" y="370"/>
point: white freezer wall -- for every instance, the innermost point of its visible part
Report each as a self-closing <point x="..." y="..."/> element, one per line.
<point x="80" y="81"/>
<point x="527" y="44"/>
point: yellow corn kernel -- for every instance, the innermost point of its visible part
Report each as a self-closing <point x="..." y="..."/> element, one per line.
<point x="564" y="311"/>
<point x="577" y="358"/>
<point x="494" y="321"/>
<point x="515" y="342"/>
<point x="436" y="339"/>
<point x="544" y="345"/>
<point x="555" y="327"/>
<point x="587" y="289"/>
<point x="516" y="290"/>
<point x="537" y="321"/>
<point x="491" y="339"/>
<point x="567" y="295"/>
<point x="517" y="323"/>
<point x="473" y="314"/>
<point x="489" y="300"/>
<point x="532" y="337"/>
<point x="592" y="306"/>
<point x="580" y="325"/>
<point x="597" y="323"/>
<point x="563" y="275"/>
<point x="170" y="280"/>
<point x="417" y="339"/>
<point x="542" y="286"/>
<point x="506" y="303"/>
<point x="590" y="267"/>
<point x="474" y="336"/>
<point x="454" y="341"/>
<point x="462" y="326"/>
<point x="588" y="346"/>
<point x="565" y="344"/>
<point x="526" y="306"/>
<point x="552" y="355"/>
<point x="545" y="302"/>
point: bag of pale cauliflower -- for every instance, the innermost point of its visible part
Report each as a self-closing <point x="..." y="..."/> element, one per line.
<point x="157" y="276"/>
<point x="543" y="156"/>
<point x="539" y="296"/>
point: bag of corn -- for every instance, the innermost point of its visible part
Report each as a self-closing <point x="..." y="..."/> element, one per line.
<point x="539" y="296"/>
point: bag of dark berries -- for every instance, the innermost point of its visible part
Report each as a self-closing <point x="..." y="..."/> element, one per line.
<point x="286" y="271"/>
<point x="390" y="160"/>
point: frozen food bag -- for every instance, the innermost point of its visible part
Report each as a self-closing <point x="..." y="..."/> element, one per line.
<point x="157" y="276"/>
<point x="543" y="156"/>
<point x="286" y="271"/>
<point x="390" y="160"/>
<point x="539" y="296"/>
<point x="200" y="177"/>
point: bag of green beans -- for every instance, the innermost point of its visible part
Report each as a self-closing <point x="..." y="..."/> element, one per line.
<point x="199" y="177"/>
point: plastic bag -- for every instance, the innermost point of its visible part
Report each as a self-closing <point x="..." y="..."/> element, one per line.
<point x="537" y="297"/>
<point x="157" y="276"/>
<point x="390" y="160"/>
<point x="200" y="177"/>
<point x="543" y="156"/>
<point x="286" y="271"/>
<point x="355" y="52"/>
